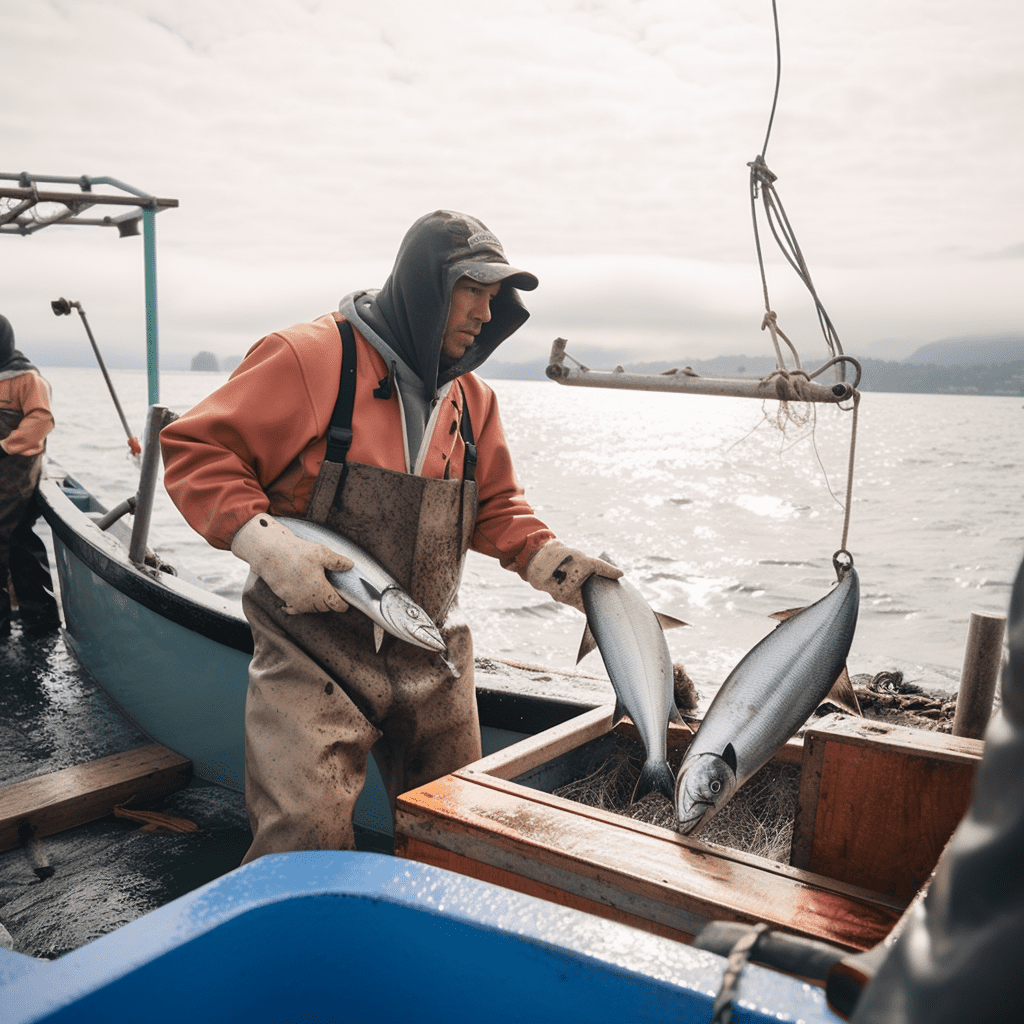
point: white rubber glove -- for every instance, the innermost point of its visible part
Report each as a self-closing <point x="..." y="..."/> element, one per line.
<point x="560" y="571"/>
<point x="293" y="568"/>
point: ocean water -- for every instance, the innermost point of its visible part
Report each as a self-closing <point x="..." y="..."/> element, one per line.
<point x="718" y="516"/>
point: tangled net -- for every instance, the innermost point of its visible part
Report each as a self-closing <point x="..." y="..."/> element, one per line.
<point x="758" y="819"/>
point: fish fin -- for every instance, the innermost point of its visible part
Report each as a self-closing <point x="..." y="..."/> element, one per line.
<point x="843" y="695"/>
<point x="620" y="712"/>
<point x="587" y="644"/>
<point x="786" y="614"/>
<point x="729" y="756"/>
<point x="674" y="716"/>
<point x="668" y="621"/>
<point x="370" y="589"/>
<point x="656" y="776"/>
<point x="378" y="636"/>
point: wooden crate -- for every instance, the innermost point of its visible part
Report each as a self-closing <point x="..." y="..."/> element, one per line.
<point x="486" y="822"/>
<point x="879" y="802"/>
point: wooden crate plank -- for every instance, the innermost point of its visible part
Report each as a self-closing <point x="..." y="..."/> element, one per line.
<point x="47" y="804"/>
<point x="886" y="837"/>
<point x="878" y="802"/>
<point x="546" y="746"/>
<point x="659" y="878"/>
<point x="621" y="822"/>
<point x="888" y="737"/>
<point x="414" y="849"/>
<point x="537" y="750"/>
<point x="802" y="845"/>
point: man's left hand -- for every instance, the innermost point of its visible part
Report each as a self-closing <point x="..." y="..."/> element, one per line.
<point x="560" y="571"/>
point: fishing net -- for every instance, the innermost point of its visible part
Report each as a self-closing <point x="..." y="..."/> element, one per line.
<point x="758" y="819"/>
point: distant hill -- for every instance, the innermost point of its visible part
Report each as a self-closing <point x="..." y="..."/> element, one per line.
<point x="1008" y="348"/>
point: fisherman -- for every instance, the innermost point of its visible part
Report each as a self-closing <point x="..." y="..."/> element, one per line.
<point x="25" y="420"/>
<point x="408" y="459"/>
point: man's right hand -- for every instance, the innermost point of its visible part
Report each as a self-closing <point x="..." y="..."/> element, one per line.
<point x="293" y="568"/>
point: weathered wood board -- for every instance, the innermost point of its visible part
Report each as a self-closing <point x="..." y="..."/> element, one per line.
<point x="879" y="802"/>
<point x="47" y="804"/>
<point x="480" y="822"/>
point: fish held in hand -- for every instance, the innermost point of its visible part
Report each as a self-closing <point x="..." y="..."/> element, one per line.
<point x="370" y="588"/>
<point x="765" y="699"/>
<point x="631" y="639"/>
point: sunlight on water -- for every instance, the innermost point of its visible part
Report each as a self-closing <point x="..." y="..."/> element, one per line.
<point x="718" y="517"/>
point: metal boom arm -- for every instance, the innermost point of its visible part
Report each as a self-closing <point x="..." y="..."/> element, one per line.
<point x="785" y="386"/>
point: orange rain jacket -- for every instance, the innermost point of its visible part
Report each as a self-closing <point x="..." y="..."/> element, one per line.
<point x="257" y="443"/>
<point x="28" y="394"/>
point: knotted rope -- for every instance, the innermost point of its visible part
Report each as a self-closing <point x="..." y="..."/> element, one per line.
<point x="793" y="380"/>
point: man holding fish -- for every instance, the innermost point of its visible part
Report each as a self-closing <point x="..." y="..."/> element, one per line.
<point x="352" y="461"/>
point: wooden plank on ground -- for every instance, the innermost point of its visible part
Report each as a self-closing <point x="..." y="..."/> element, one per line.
<point x="663" y="878"/>
<point x="47" y="804"/>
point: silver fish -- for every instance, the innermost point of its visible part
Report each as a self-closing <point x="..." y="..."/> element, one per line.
<point x="371" y="589"/>
<point x="631" y="639"/>
<point x="766" y="698"/>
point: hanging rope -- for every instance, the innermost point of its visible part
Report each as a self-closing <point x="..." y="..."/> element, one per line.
<point x="762" y="186"/>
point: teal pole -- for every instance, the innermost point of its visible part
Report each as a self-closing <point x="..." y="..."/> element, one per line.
<point x="152" y="340"/>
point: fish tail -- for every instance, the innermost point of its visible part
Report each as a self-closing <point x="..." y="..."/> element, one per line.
<point x="656" y="775"/>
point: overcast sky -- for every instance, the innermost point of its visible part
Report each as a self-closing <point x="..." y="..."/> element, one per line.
<point x="604" y="141"/>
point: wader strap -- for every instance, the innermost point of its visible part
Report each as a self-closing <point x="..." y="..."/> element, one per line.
<point x="339" y="433"/>
<point x="466" y="429"/>
<point x="327" y="487"/>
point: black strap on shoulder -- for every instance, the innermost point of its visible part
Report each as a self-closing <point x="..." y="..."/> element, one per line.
<point x="339" y="433"/>
<point x="466" y="429"/>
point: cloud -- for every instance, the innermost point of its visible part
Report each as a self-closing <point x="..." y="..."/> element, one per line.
<point x="608" y="141"/>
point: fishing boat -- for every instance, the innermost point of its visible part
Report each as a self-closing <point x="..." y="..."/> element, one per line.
<point x="587" y="929"/>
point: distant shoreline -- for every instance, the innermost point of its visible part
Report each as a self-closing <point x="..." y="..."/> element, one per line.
<point x="998" y="380"/>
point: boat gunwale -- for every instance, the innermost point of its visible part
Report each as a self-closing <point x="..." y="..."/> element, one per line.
<point x="498" y="707"/>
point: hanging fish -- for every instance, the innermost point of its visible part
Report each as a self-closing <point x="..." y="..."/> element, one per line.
<point x="766" y="698"/>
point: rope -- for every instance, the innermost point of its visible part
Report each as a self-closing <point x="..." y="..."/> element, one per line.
<point x="722" y="1012"/>
<point x="762" y="186"/>
<point x="849" y="471"/>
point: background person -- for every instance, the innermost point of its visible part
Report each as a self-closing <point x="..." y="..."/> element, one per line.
<point x="25" y="420"/>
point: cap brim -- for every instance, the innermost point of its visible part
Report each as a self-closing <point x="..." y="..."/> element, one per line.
<point x="491" y="273"/>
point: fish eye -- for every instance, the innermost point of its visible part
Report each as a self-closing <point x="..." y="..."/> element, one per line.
<point x="715" y="785"/>
<point x="413" y="613"/>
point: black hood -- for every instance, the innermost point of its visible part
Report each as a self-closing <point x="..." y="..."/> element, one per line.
<point x="411" y="309"/>
<point x="11" y="360"/>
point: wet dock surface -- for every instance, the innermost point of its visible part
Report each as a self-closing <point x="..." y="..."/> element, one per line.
<point x="106" y="873"/>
